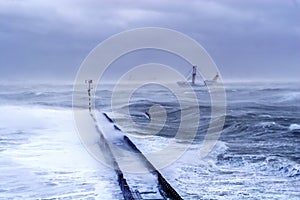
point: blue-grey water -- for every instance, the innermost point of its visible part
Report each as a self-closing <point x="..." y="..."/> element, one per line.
<point x="256" y="157"/>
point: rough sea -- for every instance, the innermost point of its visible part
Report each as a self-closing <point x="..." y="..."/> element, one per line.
<point x="256" y="157"/>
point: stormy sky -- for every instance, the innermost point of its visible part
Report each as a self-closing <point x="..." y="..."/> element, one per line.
<point x="248" y="40"/>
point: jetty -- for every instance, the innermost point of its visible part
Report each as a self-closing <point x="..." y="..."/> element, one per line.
<point x="151" y="185"/>
<point x="125" y="157"/>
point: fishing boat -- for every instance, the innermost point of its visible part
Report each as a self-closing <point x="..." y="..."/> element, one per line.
<point x="191" y="79"/>
<point x="213" y="81"/>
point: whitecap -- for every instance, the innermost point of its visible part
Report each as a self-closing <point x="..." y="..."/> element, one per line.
<point x="294" y="127"/>
<point x="266" y="124"/>
<point x="265" y="115"/>
<point x="283" y="166"/>
<point x="291" y="96"/>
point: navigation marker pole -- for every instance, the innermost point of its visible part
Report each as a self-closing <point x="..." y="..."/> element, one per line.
<point x="194" y="74"/>
<point x="90" y="86"/>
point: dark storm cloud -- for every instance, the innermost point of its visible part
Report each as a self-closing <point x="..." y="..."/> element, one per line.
<point x="247" y="39"/>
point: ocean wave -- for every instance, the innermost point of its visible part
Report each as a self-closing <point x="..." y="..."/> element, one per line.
<point x="290" y="97"/>
<point x="265" y="116"/>
<point x="209" y="163"/>
<point x="283" y="166"/>
<point x="219" y="149"/>
<point x="293" y="127"/>
<point x="267" y="124"/>
<point x="264" y="165"/>
<point x="31" y="118"/>
<point x="45" y="161"/>
<point x="270" y="125"/>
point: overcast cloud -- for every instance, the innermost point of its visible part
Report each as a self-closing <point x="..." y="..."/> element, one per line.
<point x="247" y="39"/>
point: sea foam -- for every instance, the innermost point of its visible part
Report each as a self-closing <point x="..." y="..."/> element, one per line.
<point x="294" y="127"/>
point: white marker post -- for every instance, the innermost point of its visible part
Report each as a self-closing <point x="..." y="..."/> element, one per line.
<point x="90" y="86"/>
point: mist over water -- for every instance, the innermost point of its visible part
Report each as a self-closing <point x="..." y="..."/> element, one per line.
<point x="257" y="155"/>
